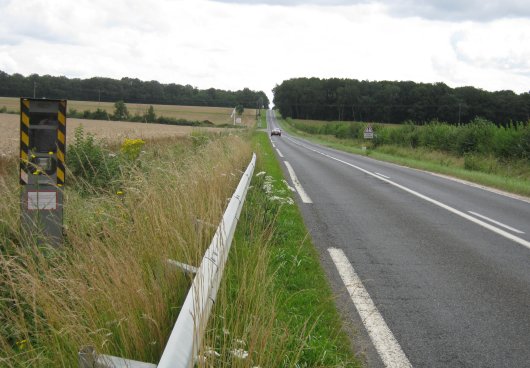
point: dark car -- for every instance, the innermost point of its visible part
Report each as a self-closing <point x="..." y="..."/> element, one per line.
<point x="276" y="131"/>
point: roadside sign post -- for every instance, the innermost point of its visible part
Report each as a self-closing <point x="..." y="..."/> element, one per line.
<point x="368" y="132"/>
<point x="42" y="171"/>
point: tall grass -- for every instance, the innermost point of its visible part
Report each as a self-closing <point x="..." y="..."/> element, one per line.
<point x="110" y="286"/>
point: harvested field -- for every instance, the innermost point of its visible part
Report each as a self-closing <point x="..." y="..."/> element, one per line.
<point x="109" y="130"/>
<point x="217" y="115"/>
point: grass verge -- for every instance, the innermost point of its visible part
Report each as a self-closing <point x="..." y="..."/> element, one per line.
<point x="275" y="308"/>
<point x="110" y="286"/>
<point x="509" y="179"/>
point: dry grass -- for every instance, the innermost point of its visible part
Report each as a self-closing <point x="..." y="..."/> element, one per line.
<point x="217" y="115"/>
<point x="110" y="131"/>
<point x="111" y="287"/>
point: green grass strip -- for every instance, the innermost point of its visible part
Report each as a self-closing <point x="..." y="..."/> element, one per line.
<point x="305" y="299"/>
<point x="416" y="159"/>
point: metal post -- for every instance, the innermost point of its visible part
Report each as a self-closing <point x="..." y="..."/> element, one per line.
<point x="42" y="171"/>
<point x="87" y="357"/>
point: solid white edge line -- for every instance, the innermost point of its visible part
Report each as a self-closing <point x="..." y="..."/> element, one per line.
<point x="279" y="153"/>
<point x="496" y="230"/>
<point x="303" y="195"/>
<point x="384" y="341"/>
<point x="497" y="222"/>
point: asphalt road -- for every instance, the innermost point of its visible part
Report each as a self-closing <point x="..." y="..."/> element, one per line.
<point x="446" y="264"/>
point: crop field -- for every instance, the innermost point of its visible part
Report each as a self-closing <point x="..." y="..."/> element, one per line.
<point x="217" y="115"/>
<point x="110" y="131"/>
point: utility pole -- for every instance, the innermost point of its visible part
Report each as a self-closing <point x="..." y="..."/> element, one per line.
<point x="99" y="96"/>
<point x="459" y="112"/>
<point x="34" y="88"/>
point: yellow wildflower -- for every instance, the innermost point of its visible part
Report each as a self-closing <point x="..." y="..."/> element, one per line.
<point x="22" y="344"/>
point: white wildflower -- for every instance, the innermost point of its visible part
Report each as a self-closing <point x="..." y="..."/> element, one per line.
<point x="240" y="353"/>
<point x="211" y="352"/>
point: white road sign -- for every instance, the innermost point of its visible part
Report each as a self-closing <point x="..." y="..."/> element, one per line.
<point x="42" y="200"/>
<point x="368" y="132"/>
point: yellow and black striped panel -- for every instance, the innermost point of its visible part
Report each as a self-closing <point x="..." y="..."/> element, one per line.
<point x="24" y="140"/>
<point x="61" y="142"/>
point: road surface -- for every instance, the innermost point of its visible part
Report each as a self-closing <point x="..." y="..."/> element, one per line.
<point x="430" y="271"/>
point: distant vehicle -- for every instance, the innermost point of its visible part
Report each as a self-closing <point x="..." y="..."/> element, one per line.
<point x="276" y="131"/>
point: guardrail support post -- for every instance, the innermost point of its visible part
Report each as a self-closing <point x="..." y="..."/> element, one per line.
<point x="87" y="357"/>
<point x="183" y="266"/>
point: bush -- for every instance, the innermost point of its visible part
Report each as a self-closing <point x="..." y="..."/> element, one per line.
<point x="476" y="137"/>
<point x="92" y="166"/>
<point x="99" y="114"/>
<point x="480" y="137"/>
<point x="150" y="115"/>
<point x="120" y="111"/>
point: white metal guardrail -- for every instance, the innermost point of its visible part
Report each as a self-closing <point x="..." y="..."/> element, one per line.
<point x="185" y="339"/>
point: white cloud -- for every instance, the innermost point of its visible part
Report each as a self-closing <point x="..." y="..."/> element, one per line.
<point x="232" y="46"/>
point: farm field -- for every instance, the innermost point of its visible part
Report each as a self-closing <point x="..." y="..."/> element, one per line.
<point x="107" y="130"/>
<point x="217" y="115"/>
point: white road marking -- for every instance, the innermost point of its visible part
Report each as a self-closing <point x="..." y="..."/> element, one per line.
<point x="273" y="145"/>
<point x="303" y="195"/>
<point x="496" y="230"/>
<point x="384" y="176"/>
<point x="279" y="153"/>
<point x="496" y="222"/>
<point x="384" y="341"/>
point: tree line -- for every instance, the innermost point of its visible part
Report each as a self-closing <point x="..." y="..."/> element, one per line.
<point x="396" y="102"/>
<point x="126" y="89"/>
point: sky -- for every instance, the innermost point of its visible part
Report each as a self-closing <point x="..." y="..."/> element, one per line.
<point x="233" y="44"/>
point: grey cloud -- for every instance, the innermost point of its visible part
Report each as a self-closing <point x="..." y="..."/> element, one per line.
<point x="36" y="26"/>
<point x="517" y="63"/>
<point x="8" y="39"/>
<point x="447" y="10"/>
<point x="296" y="2"/>
<point x="454" y="10"/>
